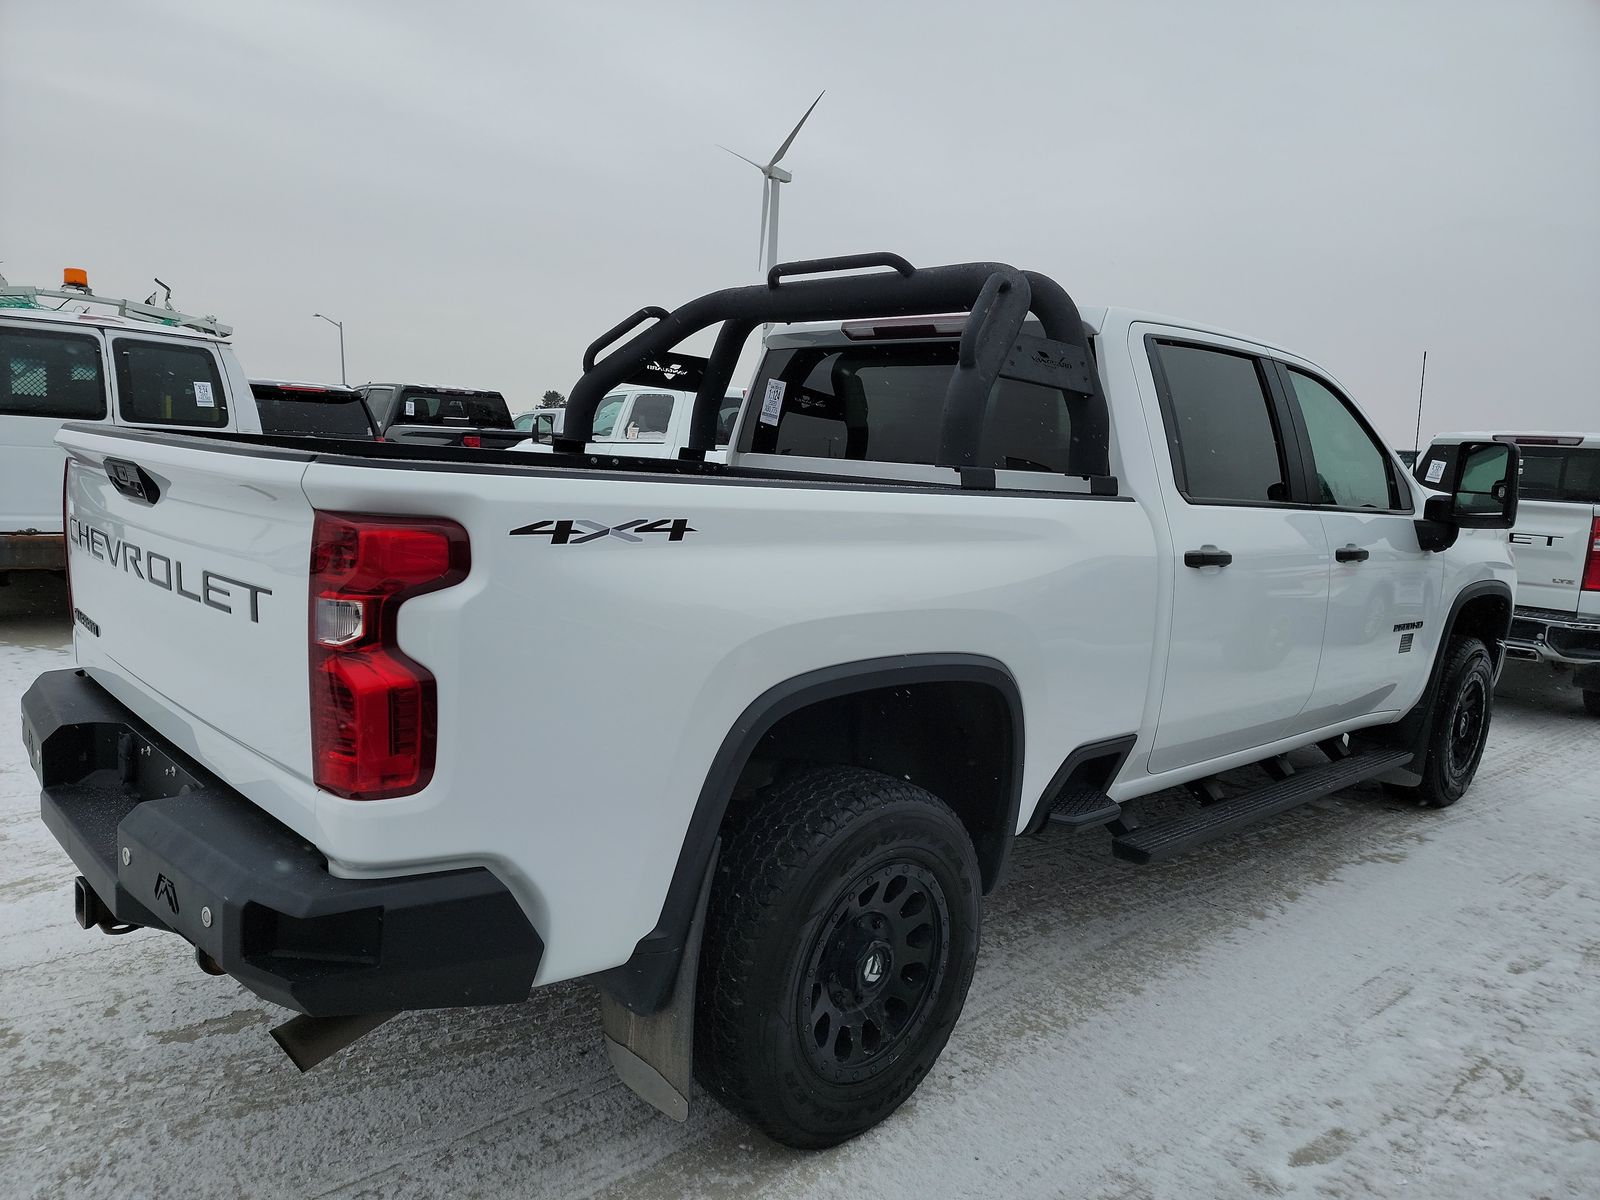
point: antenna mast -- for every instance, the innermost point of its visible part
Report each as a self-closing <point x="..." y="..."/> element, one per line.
<point x="1416" y="444"/>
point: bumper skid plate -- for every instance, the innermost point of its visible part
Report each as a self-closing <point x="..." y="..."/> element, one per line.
<point x="165" y="845"/>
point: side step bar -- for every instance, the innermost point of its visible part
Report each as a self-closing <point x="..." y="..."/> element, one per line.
<point x="1153" y="843"/>
<point x="1084" y="805"/>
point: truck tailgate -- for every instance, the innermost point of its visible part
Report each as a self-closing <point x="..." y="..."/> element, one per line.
<point x="188" y="566"/>
<point x="1551" y="542"/>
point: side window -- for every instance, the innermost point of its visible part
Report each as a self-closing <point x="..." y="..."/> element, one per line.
<point x="1435" y="467"/>
<point x="605" y="417"/>
<point x="46" y="374"/>
<point x="1224" y="443"/>
<point x="648" y="420"/>
<point x="161" y="383"/>
<point x="379" y="401"/>
<point x="1352" y="470"/>
<point x="727" y="417"/>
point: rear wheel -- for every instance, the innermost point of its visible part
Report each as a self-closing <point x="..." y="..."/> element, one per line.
<point x="1591" y="703"/>
<point x="840" y="940"/>
<point x="1461" y="711"/>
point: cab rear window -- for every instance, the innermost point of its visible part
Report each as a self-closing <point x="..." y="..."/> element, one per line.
<point x="884" y="403"/>
<point x="45" y="374"/>
<point x="160" y="383"/>
<point x="484" y="410"/>
<point x="312" y="412"/>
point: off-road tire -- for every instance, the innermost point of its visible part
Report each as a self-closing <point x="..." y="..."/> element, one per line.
<point x="1462" y="708"/>
<point x="795" y="856"/>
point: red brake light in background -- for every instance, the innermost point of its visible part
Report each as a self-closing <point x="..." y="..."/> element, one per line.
<point x="472" y="441"/>
<point x="905" y="327"/>
<point x="374" y="711"/>
<point x="1591" y="564"/>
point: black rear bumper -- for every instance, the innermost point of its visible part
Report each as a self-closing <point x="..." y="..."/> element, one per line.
<point x="164" y="844"/>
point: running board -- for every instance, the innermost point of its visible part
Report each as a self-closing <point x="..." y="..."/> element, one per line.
<point x="1084" y="805"/>
<point x="1153" y="843"/>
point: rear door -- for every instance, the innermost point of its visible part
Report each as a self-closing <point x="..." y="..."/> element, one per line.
<point x="1383" y="597"/>
<point x="47" y="377"/>
<point x="1250" y="577"/>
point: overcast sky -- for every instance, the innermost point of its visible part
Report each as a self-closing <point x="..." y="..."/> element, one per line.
<point x="479" y="189"/>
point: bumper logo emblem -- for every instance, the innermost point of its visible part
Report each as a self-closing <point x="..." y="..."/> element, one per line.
<point x="168" y="891"/>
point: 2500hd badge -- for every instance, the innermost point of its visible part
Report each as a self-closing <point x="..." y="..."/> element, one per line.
<point x="164" y="571"/>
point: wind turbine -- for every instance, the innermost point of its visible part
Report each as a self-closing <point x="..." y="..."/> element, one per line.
<point x="773" y="177"/>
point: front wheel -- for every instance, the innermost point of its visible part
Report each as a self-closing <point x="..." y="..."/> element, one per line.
<point x="840" y="940"/>
<point x="1461" y="711"/>
<point x="1591" y="702"/>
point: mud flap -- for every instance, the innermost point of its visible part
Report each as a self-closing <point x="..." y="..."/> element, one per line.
<point x="654" y="1053"/>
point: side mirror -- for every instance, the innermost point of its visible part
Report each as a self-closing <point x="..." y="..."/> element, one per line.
<point x="1484" y="491"/>
<point x="1482" y="494"/>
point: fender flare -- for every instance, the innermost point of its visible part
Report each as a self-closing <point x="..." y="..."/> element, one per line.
<point x="644" y="983"/>
<point x="1413" y="730"/>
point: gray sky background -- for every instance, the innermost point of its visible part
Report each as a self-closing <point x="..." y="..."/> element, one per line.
<point x="480" y="189"/>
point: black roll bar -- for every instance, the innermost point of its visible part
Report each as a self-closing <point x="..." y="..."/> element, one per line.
<point x="648" y="312"/>
<point x="998" y="296"/>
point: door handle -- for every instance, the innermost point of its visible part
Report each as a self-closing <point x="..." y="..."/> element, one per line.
<point x="1350" y="553"/>
<point x="1207" y="556"/>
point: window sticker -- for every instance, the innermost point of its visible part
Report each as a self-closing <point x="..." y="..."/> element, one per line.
<point x="1435" y="470"/>
<point x="772" y="402"/>
<point x="411" y="408"/>
<point x="202" y="395"/>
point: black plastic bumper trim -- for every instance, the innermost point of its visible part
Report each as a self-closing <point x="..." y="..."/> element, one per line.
<point x="204" y="862"/>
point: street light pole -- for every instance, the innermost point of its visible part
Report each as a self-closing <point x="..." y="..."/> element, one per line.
<point x="340" y="325"/>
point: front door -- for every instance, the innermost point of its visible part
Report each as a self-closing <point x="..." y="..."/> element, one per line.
<point x="1250" y="566"/>
<point x="1383" y="603"/>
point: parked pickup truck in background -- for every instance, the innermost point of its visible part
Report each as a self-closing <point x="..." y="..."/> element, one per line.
<point x="648" y="422"/>
<point x="1556" y="545"/>
<point x="439" y="416"/>
<point x="69" y="355"/>
<point x="979" y="564"/>
<point x="312" y="410"/>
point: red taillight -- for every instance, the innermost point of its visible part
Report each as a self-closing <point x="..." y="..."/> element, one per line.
<point x="374" y="711"/>
<point x="1591" y="565"/>
<point x="472" y="441"/>
<point x="66" y="536"/>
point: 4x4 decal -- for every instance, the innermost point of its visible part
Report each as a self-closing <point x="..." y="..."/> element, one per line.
<point x="574" y="533"/>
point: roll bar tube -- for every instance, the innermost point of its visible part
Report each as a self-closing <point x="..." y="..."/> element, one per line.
<point x="999" y="297"/>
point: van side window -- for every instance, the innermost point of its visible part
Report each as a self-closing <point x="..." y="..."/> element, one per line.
<point x="1352" y="469"/>
<point x="1225" y="444"/>
<point x="160" y="383"/>
<point x="44" y="374"/>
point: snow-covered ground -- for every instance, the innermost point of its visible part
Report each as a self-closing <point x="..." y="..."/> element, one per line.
<point x="1358" y="999"/>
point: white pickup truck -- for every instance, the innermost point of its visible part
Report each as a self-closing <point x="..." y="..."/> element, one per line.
<point x="1556" y="545"/>
<point x="67" y="354"/>
<point x="961" y="578"/>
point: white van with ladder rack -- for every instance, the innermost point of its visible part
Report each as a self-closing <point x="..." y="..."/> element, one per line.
<point x="68" y="355"/>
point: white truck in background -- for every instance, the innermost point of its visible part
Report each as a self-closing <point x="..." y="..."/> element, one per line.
<point x="978" y="564"/>
<point x="1556" y="545"/>
<point x="643" y="421"/>
<point x="67" y="354"/>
